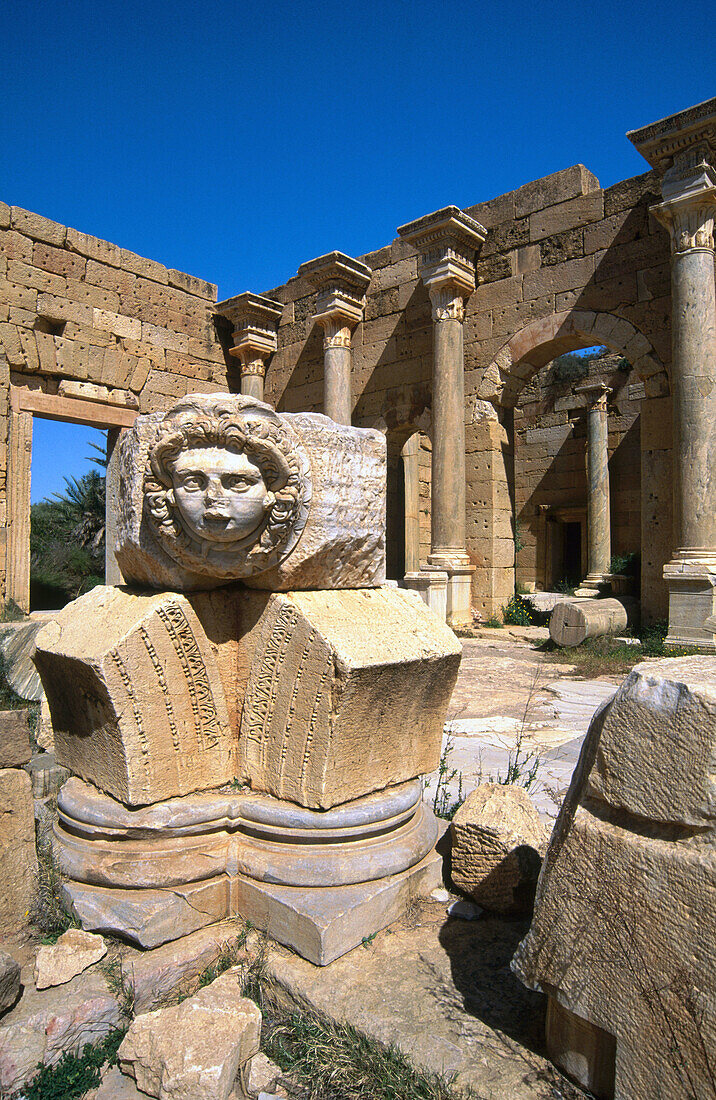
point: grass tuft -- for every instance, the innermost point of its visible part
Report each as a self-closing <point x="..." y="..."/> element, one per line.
<point x="48" y="913"/>
<point x="74" y="1074"/>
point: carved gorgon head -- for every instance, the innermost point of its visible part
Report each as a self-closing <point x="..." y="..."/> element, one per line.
<point x="227" y="486"/>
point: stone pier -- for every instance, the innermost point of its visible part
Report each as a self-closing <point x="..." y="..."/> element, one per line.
<point x="599" y="547"/>
<point x="683" y="148"/>
<point x="341" y="283"/>
<point x="447" y="242"/>
<point x="255" y="320"/>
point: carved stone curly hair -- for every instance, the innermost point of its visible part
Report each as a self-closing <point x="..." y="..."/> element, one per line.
<point x="262" y="439"/>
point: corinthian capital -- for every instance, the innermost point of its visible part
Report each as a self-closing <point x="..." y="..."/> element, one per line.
<point x="254" y="319"/>
<point x="447" y="242"/>
<point x="689" y="219"/>
<point x="341" y="283"/>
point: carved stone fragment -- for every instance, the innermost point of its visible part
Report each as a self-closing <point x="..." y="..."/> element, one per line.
<point x="136" y="700"/>
<point x="215" y="489"/>
<point x="346" y="693"/>
<point x="624" y="925"/>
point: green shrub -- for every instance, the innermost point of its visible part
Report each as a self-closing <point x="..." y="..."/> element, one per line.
<point x="518" y="611"/>
<point x="74" y="1074"/>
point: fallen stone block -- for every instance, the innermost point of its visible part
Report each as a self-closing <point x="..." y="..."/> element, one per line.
<point x="624" y="922"/>
<point x="9" y="981"/>
<point x="263" y="1074"/>
<point x="74" y="952"/>
<point x="497" y="837"/>
<point x="573" y="621"/>
<point x="193" y="1051"/>
<point x="137" y="703"/>
<point x="346" y="692"/>
<point x="157" y="974"/>
<point x="115" y="1086"/>
<point x="15" y="747"/>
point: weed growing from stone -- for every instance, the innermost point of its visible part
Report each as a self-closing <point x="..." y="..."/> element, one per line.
<point x="332" y="1061"/>
<point x="48" y="912"/>
<point x="444" y="805"/>
<point x="74" y="1074"/>
<point x="518" y="611"/>
<point x="120" y="985"/>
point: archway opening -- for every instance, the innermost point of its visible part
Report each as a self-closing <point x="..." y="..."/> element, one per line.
<point x="550" y="470"/>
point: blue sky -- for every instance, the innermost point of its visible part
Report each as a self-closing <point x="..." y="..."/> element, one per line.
<point x="235" y="141"/>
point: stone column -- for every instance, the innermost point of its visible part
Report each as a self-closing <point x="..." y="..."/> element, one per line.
<point x="447" y="242"/>
<point x="18" y="506"/>
<point x="683" y="147"/>
<point x="341" y="283"/>
<point x="255" y="320"/>
<point x="411" y="479"/>
<point x="599" y="545"/>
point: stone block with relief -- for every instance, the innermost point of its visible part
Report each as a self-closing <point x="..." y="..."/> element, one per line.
<point x="136" y="699"/>
<point x="346" y="692"/>
<point x="624" y="923"/>
<point x="222" y="488"/>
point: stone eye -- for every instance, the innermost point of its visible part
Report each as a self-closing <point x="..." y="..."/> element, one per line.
<point x="193" y="482"/>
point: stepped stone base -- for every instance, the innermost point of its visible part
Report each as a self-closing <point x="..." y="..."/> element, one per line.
<point x="316" y="881"/>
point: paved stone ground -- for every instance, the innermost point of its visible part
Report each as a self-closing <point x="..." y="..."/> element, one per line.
<point x="508" y="696"/>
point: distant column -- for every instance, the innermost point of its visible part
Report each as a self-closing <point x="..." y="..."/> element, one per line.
<point x="683" y="147"/>
<point x="447" y="242"/>
<point x="411" y="478"/>
<point x="17" y="585"/>
<point x="341" y="282"/>
<point x="255" y="320"/>
<point x="599" y="553"/>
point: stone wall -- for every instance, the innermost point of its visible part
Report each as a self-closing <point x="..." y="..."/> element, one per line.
<point x="565" y="264"/>
<point x="88" y="328"/>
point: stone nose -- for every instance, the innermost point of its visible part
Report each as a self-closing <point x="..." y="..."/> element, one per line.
<point x="214" y="489"/>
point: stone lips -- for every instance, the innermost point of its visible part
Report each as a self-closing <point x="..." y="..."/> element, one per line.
<point x="135" y="695"/>
<point x="154" y="544"/>
<point x="624" y="925"/>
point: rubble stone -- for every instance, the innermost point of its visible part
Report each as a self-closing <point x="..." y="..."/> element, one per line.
<point x="192" y="1051"/>
<point x="14" y="739"/>
<point x="74" y="952"/>
<point x="496" y="840"/>
<point x="615" y="940"/>
<point x="18" y="858"/>
<point x="9" y="981"/>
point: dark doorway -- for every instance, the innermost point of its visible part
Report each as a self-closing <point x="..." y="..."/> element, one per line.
<point x="571" y="553"/>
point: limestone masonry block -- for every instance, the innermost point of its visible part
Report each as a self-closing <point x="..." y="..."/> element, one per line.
<point x="497" y="841"/>
<point x="135" y="696"/>
<point x="14" y="739"/>
<point x="343" y="544"/>
<point x="193" y="1051"/>
<point x="9" y="981"/>
<point x="624" y="925"/>
<point x="346" y="692"/>
<point x="18" y="861"/>
<point x="321" y="523"/>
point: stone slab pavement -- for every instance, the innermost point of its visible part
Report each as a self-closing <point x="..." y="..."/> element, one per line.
<point x="442" y="990"/>
<point x="511" y="704"/>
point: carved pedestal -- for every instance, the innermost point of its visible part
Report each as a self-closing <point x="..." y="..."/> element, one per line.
<point x="317" y="882"/>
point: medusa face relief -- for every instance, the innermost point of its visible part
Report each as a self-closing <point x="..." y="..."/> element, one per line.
<point x="227" y="486"/>
<point x="220" y="495"/>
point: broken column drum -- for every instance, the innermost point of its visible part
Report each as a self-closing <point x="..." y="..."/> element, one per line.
<point x="254" y="750"/>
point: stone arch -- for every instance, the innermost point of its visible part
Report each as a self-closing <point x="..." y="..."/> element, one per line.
<point x="540" y="341"/>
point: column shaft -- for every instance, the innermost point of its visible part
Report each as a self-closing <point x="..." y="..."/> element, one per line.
<point x="694" y="401"/>
<point x="338" y="402"/>
<point x="598" y="516"/>
<point x="17" y="585"/>
<point x="411" y="476"/>
<point x="252" y="385"/>
<point x="447" y="520"/>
